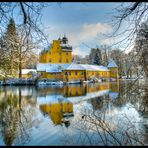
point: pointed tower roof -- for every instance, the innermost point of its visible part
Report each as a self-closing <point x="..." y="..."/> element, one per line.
<point x="112" y="63"/>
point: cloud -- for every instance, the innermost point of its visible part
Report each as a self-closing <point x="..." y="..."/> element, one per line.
<point x="79" y="51"/>
<point x="84" y="33"/>
<point x="107" y="41"/>
<point x="88" y="32"/>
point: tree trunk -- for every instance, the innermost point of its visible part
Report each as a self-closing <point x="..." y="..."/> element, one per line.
<point x="20" y="99"/>
<point x="20" y="70"/>
<point x="20" y="64"/>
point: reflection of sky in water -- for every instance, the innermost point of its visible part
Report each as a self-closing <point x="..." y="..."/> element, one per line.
<point x="101" y="99"/>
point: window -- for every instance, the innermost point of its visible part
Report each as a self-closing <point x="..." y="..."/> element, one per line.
<point x="65" y="73"/>
<point x="82" y="73"/>
<point x="69" y="73"/>
<point x="76" y="73"/>
<point x="49" y="60"/>
<point x="66" y="53"/>
<point x="67" y="60"/>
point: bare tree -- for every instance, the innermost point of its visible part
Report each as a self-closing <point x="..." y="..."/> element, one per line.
<point x="28" y="21"/>
<point x="133" y="15"/>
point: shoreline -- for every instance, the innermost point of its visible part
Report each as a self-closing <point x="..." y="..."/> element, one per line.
<point x="35" y="82"/>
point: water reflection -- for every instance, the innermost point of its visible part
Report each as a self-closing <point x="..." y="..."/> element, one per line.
<point x="23" y="110"/>
<point x="60" y="111"/>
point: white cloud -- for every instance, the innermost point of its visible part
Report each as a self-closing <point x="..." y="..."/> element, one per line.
<point x="79" y="51"/>
<point x="107" y="41"/>
<point x="85" y="33"/>
<point x="88" y="32"/>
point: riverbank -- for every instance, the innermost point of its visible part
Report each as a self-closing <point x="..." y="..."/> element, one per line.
<point x="49" y="82"/>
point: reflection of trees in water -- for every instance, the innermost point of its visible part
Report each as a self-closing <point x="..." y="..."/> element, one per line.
<point x="15" y="119"/>
<point x="96" y="103"/>
<point x="94" y="128"/>
<point x="98" y="126"/>
<point x="8" y="118"/>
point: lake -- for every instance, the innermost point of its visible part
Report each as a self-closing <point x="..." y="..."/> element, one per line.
<point x="108" y="113"/>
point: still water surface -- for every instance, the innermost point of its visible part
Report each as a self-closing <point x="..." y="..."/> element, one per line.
<point x="89" y="114"/>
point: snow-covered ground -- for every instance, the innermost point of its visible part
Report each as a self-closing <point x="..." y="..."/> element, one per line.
<point x="50" y="83"/>
<point x="22" y="81"/>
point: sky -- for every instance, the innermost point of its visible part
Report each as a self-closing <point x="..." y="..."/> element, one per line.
<point x="83" y="24"/>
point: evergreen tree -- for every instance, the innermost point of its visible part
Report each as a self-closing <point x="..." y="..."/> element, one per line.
<point x="95" y="56"/>
<point x="98" y="57"/>
<point x="9" y="49"/>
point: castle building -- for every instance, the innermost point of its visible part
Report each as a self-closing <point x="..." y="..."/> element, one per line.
<point x="55" y="63"/>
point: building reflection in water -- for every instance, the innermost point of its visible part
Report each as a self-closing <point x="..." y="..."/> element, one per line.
<point x="59" y="109"/>
<point x="60" y="106"/>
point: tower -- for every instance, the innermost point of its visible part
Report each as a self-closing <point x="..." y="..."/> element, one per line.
<point x="59" y="52"/>
<point x="113" y="69"/>
<point x="65" y="40"/>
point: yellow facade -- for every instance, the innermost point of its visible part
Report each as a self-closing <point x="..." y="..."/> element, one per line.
<point x="57" y="110"/>
<point x="26" y="76"/>
<point x="74" y="75"/>
<point x="114" y="72"/>
<point x="61" y="53"/>
<point x="55" y="54"/>
<point x="98" y="74"/>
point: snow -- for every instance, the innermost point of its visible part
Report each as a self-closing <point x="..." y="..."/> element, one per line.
<point x="26" y="71"/>
<point x="73" y="82"/>
<point x="87" y="67"/>
<point x="94" y="67"/>
<point x="51" y="68"/>
<point x="56" y="67"/>
<point x="41" y="66"/>
<point x="112" y="63"/>
<point x="74" y="66"/>
<point x="51" y="83"/>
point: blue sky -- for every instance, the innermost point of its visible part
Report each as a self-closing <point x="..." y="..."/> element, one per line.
<point x="83" y="23"/>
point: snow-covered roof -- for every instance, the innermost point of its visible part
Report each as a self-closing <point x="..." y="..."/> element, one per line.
<point x="26" y="71"/>
<point x="87" y="67"/>
<point x="41" y="66"/>
<point x="74" y="66"/>
<point x="56" y="67"/>
<point x="51" y="67"/>
<point x="112" y="63"/>
<point x="95" y="67"/>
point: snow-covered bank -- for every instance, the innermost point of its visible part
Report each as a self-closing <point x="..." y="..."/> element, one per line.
<point x="18" y="82"/>
<point x="50" y="83"/>
<point x="31" y="81"/>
